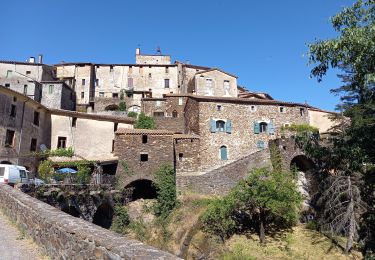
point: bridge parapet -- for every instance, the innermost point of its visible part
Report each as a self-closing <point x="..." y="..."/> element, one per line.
<point x="65" y="237"/>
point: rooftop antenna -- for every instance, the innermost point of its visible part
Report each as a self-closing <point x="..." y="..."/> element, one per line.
<point x="158" y="50"/>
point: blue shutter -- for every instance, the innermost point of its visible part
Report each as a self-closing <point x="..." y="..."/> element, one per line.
<point x="213" y="126"/>
<point x="228" y="126"/>
<point x="271" y="128"/>
<point x="260" y="144"/>
<point x="256" y="128"/>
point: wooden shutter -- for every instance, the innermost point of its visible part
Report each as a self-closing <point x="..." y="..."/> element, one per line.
<point x="228" y="127"/>
<point x="271" y="128"/>
<point x="256" y="128"/>
<point x="213" y="126"/>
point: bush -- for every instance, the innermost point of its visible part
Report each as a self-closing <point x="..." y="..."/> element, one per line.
<point x="121" y="219"/>
<point x="122" y="106"/>
<point x="45" y="170"/>
<point x="144" y="122"/>
<point x="165" y="183"/>
<point x="132" y="114"/>
<point x="83" y="175"/>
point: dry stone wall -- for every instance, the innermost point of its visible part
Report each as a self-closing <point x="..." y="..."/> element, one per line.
<point x="65" y="237"/>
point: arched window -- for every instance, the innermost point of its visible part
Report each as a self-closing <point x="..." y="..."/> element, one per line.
<point x="263" y="127"/>
<point x="220" y="126"/>
<point x="223" y="153"/>
<point x="174" y="113"/>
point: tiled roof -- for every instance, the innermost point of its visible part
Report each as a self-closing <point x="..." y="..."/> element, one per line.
<point x="205" y="71"/>
<point x="185" y="136"/>
<point x="99" y="117"/>
<point x="126" y="131"/>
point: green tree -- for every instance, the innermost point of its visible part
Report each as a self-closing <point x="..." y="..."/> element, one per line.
<point x="165" y="182"/>
<point x="83" y="174"/>
<point x="144" y="122"/>
<point x="132" y="114"/>
<point x="122" y="106"/>
<point x="45" y="170"/>
<point x="121" y="219"/>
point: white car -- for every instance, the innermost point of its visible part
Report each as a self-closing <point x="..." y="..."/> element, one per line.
<point x="13" y="174"/>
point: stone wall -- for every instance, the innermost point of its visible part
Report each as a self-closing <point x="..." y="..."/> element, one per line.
<point x="173" y="124"/>
<point x="219" y="181"/>
<point x="187" y="154"/>
<point x="65" y="237"/>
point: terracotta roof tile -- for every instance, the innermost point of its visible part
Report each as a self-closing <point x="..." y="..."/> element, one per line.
<point x="185" y="136"/>
<point x="126" y="131"/>
<point x="99" y="117"/>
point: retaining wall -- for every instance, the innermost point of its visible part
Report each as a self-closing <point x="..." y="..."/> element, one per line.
<point x="65" y="237"/>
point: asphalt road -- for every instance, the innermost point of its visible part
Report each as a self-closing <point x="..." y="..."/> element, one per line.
<point x="13" y="245"/>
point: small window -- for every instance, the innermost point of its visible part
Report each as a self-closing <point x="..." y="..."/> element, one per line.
<point x="144" y="139"/>
<point x="130" y="83"/>
<point x="33" y="145"/>
<point x="158" y="114"/>
<point x="218" y="107"/>
<point x="74" y="122"/>
<point x="7" y="85"/>
<point x="130" y="69"/>
<point x="260" y="144"/>
<point x="286" y="125"/>
<point x="144" y="157"/>
<point x="166" y="83"/>
<point x="9" y="138"/>
<point x="9" y="73"/>
<point x="115" y="95"/>
<point x="83" y="82"/>
<point x="129" y="95"/>
<point x="25" y="89"/>
<point x="110" y="68"/>
<point x="50" y="89"/>
<point x="82" y="94"/>
<point x="36" y="118"/>
<point x="61" y="142"/>
<point x="174" y="113"/>
<point x="253" y="108"/>
<point x="180" y="156"/>
<point x="140" y="69"/>
<point x="14" y="99"/>
<point x="97" y="82"/>
<point x="13" y="111"/>
<point x="263" y="127"/>
<point x="113" y="146"/>
<point x="28" y="72"/>
<point x="180" y="101"/>
<point x="208" y="83"/>
<point x="101" y="94"/>
<point x="282" y="109"/>
<point x="220" y="126"/>
<point x="302" y="111"/>
<point x="167" y="69"/>
<point x="115" y="127"/>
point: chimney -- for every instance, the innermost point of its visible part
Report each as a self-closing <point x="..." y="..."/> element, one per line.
<point x="138" y="51"/>
<point x="40" y="58"/>
<point x="32" y="60"/>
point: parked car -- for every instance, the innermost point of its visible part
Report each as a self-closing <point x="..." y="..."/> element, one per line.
<point x="13" y="174"/>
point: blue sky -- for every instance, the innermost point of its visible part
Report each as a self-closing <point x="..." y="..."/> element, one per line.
<point x="262" y="42"/>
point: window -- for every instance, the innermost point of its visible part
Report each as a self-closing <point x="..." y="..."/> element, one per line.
<point x="223" y="153"/>
<point x="74" y="122"/>
<point x="253" y="108"/>
<point x="33" y="145"/>
<point x="130" y="83"/>
<point x="50" y="89"/>
<point x="13" y="111"/>
<point x="113" y="146"/>
<point x="101" y="94"/>
<point x="130" y="69"/>
<point x="25" y="89"/>
<point x="282" y="109"/>
<point x="115" y="127"/>
<point x="260" y="144"/>
<point x="180" y="156"/>
<point x="218" y="107"/>
<point x="110" y="68"/>
<point x="36" y="118"/>
<point x="82" y="94"/>
<point x="9" y="138"/>
<point x="141" y="70"/>
<point x="61" y="142"/>
<point x="226" y="87"/>
<point x="302" y="111"/>
<point x="115" y="95"/>
<point x="144" y="139"/>
<point x="129" y="95"/>
<point x="28" y="72"/>
<point x="208" y="83"/>
<point x="14" y="99"/>
<point x="144" y="157"/>
<point x="263" y="127"/>
<point x="9" y="73"/>
<point x="83" y="82"/>
<point x="97" y="82"/>
<point x="180" y="101"/>
<point x="220" y="126"/>
<point x="167" y="69"/>
<point x="166" y="83"/>
<point x="174" y="113"/>
<point x="158" y="114"/>
<point x="7" y="85"/>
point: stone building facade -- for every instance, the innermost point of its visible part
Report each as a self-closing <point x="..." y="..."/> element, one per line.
<point x="58" y="95"/>
<point x="25" y="126"/>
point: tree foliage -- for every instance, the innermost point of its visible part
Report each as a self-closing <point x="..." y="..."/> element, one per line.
<point x="45" y="170"/>
<point x="122" y="106"/>
<point x="144" y="122"/>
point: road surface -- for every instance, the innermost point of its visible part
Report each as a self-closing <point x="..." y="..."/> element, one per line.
<point x="14" y="245"/>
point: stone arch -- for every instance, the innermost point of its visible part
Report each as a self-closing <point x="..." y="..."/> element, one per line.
<point x="103" y="216"/>
<point x="302" y="162"/>
<point x="134" y="108"/>
<point x="112" y="107"/>
<point x="142" y="189"/>
<point x="71" y="210"/>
